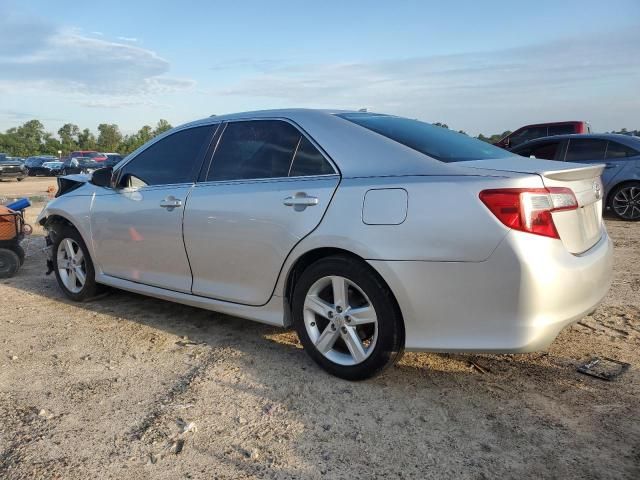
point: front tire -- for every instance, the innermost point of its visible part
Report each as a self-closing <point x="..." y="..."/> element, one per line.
<point x="625" y="201"/>
<point x="347" y="319"/>
<point x="73" y="266"/>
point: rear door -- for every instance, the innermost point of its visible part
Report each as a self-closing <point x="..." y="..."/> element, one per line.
<point x="592" y="151"/>
<point x="267" y="187"/>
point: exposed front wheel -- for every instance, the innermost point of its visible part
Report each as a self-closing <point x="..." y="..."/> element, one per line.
<point x="347" y="319"/>
<point x="73" y="266"/>
<point x="625" y="201"/>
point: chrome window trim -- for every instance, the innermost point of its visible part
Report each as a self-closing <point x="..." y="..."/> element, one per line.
<point x="305" y="178"/>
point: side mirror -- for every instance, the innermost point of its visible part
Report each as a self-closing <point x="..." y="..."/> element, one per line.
<point x="102" y="177"/>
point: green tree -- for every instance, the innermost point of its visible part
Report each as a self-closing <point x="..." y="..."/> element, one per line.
<point x="68" y="134"/>
<point x="50" y="145"/>
<point x="109" y="137"/>
<point x="86" y="140"/>
<point x="161" y="127"/>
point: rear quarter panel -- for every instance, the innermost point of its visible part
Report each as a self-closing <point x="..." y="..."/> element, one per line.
<point x="445" y="221"/>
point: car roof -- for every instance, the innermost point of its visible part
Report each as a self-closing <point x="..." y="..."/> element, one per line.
<point x="356" y="151"/>
<point x="625" y="139"/>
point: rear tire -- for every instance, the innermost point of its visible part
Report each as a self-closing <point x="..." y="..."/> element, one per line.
<point x="9" y="263"/>
<point x="73" y="266"/>
<point x="624" y="201"/>
<point x="355" y="334"/>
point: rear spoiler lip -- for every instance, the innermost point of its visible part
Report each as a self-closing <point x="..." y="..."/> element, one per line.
<point x="563" y="170"/>
<point x="579" y="173"/>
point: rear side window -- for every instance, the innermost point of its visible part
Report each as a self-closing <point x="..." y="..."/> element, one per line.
<point x="265" y="149"/>
<point x="586" y="149"/>
<point x="617" y="150"/>
<point x="561" y="129"/>
<point x="309" y="161"/>
<point x="173" y="159"/>
<point x="437" y="142"/>
<point x="543" y="150"/>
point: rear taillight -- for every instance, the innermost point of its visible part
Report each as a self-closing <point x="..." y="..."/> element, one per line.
<point x="529" y="209"/>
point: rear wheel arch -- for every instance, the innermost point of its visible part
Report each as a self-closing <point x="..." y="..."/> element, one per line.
<point x="309" y="258"/>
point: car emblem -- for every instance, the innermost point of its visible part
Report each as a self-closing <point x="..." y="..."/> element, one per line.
<point x="597" y="189"/>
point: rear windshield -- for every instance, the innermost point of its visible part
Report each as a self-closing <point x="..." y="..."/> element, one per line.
<point x="437" y="142"/>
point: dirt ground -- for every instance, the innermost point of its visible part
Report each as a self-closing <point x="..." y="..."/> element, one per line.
<point x="132" y="387"/>
<point x="30" y="186"/>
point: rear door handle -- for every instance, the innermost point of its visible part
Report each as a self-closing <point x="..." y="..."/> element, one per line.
<point x="171" y="202"/>
<point x="300" y="201"/>
<point x="610" y="165"/>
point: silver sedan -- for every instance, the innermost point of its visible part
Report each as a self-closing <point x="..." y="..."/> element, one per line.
<point x="370" y="234"/>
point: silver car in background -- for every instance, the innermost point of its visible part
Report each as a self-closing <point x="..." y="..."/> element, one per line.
<point x="369" y="233"/>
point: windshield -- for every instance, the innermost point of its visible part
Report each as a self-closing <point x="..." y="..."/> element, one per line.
<point x="437" y="142"/>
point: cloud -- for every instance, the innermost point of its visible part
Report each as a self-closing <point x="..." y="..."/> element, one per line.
<point x="128" y="39"/>
<point x="566" y="75"/>
<point x="34" y="54"/>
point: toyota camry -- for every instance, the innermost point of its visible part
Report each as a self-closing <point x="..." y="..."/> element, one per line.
<point x="370" y="234"/>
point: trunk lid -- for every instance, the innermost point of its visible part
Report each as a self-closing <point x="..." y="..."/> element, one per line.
<point x="579" y="229"/>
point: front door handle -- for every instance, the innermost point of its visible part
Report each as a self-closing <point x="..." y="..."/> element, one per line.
<point x="300" y="201"/>
<point x="171" y="202"/>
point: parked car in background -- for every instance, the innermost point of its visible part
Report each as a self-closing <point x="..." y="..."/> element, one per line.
<point x="10" y="168"/>
<point x="369" y="233"/>
<point x="33" y="165"/>
<point x="530" y="132"/>
<point x="619" y="153"/>
<point x="53" y="168"/>
<point x="96" y="156"/>
<point x="112" y="159"/>
<point x="80" y="165"/>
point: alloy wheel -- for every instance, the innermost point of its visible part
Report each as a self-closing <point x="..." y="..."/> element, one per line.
<point x="626" y="203"/>
<point x="340" y="320"/>
<point x="71" y="265"/>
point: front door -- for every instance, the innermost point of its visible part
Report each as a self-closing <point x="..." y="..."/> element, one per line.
<point x="136" y="227"/>
<point x="268" y="187"/>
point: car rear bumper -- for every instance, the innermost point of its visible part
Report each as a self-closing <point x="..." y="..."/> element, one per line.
<point x="516" y="301"/>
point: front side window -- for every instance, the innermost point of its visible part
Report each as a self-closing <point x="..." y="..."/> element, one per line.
<point x="257" y="149"/>
<point x="436" y="142"/>
<point x="585" y="149"/>
<point x="173" y="159"/>
<point x="618" y="150"/>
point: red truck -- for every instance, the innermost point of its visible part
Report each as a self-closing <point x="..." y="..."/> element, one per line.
<point x="529" y="132"/>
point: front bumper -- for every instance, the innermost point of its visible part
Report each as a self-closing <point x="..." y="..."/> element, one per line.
<point x="12" y="174"/>
<point x="516" y="301"/>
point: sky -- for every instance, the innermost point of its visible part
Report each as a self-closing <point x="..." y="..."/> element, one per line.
<point x="483" y="67"/>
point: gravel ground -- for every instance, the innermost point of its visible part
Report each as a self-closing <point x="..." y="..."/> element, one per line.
<point x="132" y="387"/>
